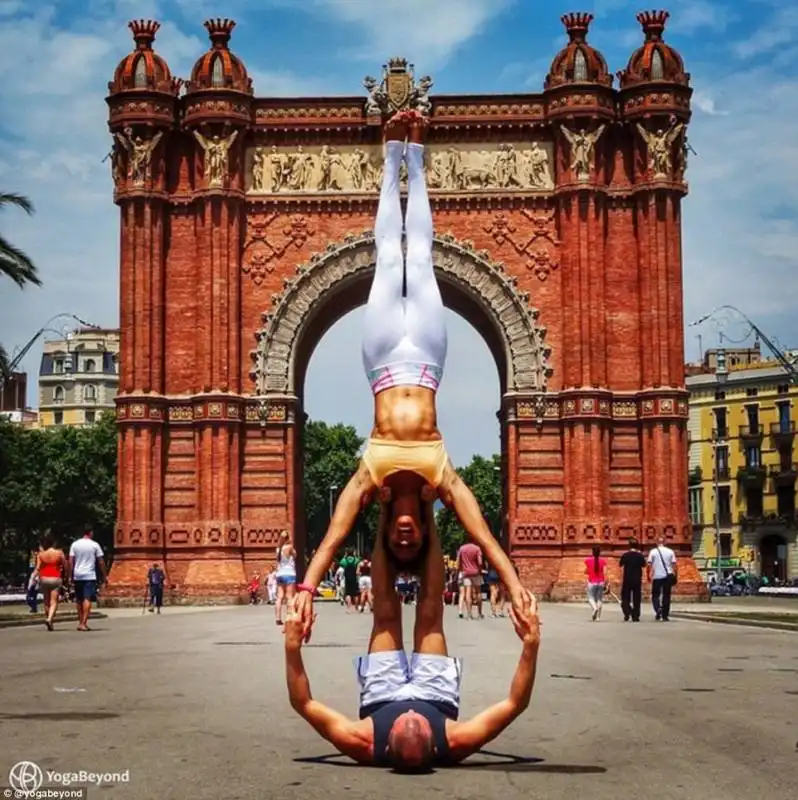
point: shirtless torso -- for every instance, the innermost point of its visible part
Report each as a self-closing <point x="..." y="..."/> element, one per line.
<point x="406" y="413"/>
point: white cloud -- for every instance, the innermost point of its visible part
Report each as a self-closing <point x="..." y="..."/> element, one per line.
<point x="741" y="219"/>
<point x="703" y="102"/>
<point x="695" y="15"/>
<point x="777" y="31"/>
<point x="434" y="29"/>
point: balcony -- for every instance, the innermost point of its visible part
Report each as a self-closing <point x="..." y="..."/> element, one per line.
<point x="752" y="433"/>
<point x="719" y="434"/>
<point x="751" y="475"/>
<point x="694" y="477"/>
<point x="784" y="474"/>
<point x="782" y="431"/>
<point x="772" y="522"/>
<point x="722" y="473"/>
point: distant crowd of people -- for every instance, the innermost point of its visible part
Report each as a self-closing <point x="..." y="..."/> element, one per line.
<point x="470" y="583"/>
<point x="661" y="572"/>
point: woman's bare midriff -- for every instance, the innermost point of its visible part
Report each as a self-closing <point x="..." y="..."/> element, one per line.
<point x="405" y="414"/>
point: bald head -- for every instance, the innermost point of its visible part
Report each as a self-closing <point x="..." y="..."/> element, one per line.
<point x="411" y="745"/>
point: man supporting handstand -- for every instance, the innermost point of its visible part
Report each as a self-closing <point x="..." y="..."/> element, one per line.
<point x="409" y="708"/>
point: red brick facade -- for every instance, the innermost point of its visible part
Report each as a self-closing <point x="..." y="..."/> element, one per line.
<point x="565" y="253"/>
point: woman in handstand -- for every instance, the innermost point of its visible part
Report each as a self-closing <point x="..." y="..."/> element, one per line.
<point x="404" y="350"/>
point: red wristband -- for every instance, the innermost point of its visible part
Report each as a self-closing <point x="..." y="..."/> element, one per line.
<point x="306" y="587"/>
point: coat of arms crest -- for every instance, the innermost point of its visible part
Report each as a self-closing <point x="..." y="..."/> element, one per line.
<point x="397" y="91"/>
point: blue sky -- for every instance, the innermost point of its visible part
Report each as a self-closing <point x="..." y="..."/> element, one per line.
<point x="740" y="228"/>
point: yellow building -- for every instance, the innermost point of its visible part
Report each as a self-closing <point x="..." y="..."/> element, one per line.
<point x="742" y="433"/>
<point x="78" y="377"/>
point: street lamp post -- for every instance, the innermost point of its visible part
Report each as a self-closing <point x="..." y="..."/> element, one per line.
<point x="333" y="489"/>
<point x="722" y="375"/>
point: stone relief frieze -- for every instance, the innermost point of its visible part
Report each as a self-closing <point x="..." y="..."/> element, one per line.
<point x="519" y="166"/>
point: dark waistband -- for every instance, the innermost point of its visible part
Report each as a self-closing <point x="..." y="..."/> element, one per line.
<point x="447" y="709"/>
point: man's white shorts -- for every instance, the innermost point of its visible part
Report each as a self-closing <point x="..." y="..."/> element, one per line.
<point x="388" y="677"/>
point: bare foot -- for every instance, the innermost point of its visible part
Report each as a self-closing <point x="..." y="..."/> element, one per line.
<point x="417" y="127"/>
<point x="396" y="128"/>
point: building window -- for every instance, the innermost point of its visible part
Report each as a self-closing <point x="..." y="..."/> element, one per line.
<point x="580" y="66"/>
<point x="90" y="394"/>
<point x="784" y="417"/>
<point x="785" y="458"/>
<point x="696" y="506"/>
<point x="753" y="418"/>
<point x="752" y="392"/>
<point x="725" y="545"/>
<point x="217" y="72"/>
<point x="783" y="389"/>
<point x="721" y="423"/>
<point x="722" y="462"/>
<point x="90" y="417"/>
<point x="753" y="456"/>
<point x="58" y="418"/>
<point x="89" y="365"/>
<point x="657" y="68"/>
<point x="724" y="506"/>
<point x="720" y="395"/>
<point x="58" y="394"/>
<point x="140" y="74"/>
<point x="753" y="502"/>
<point x="58" y="366"/>
<point x="785" y="498"/>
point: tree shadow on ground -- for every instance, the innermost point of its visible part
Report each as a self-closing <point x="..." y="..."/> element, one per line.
<point x="495" y="762"/>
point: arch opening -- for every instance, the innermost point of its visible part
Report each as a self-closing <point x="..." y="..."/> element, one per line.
<point x="337" y="281"/>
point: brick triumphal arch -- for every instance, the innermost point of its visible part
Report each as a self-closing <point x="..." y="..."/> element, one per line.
<point x="246" y="233"/>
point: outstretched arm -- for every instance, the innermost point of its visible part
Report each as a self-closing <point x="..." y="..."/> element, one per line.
<point x="347" y="508"/>
<point x="467" y="508"/>
<point x="332" y="725"/>
<point x="468" y="737"/>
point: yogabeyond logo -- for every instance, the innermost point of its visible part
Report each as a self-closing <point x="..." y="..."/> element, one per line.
<point x="27" y="778"/>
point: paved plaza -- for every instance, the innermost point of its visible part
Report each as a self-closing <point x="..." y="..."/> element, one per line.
<point x="193" y="704"/>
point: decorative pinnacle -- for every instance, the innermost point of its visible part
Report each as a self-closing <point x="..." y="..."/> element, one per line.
<point x="220" y="31"/>
<point x="144" y="31"/>
<point x="397" y="64"/>
<point x="653" y="23"/>
<point x="577" y="24"/>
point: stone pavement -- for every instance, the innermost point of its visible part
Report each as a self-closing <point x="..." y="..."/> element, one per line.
<point x="194" y="706"/>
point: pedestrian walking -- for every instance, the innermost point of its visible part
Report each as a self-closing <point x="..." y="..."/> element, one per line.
<point x="632" y="564"/>
<point x="661" y="570"/>
<point x="156" y="578"/>
<point x="595" y="567"/>
<point x="85" y="557"/>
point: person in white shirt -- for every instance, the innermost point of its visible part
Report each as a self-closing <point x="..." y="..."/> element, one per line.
<point x="661" y="570"/>
<point x="85" y="555"/>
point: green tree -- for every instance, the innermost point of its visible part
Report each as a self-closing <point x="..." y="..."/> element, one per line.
<point x="483" y="477"/>
<point x="330" y="459"/>
<point x="60" y="479"/>
<point x="14" y="263"/>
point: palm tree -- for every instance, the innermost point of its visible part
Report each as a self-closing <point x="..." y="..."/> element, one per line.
<point x="14" y="263"/>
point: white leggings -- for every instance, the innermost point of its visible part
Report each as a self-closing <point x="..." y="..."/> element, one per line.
<point x="404" y="327"/>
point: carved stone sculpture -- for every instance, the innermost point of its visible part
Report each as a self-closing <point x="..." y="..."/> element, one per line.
<point x="660" y="149"/>
<point x="583" y="146"/>
<point x="216" y="157"/>
<point x="377" y="99"/>
<point x="505" y="167"/>
<point x="139" y="155"/>
<point x="420" y="96"/>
